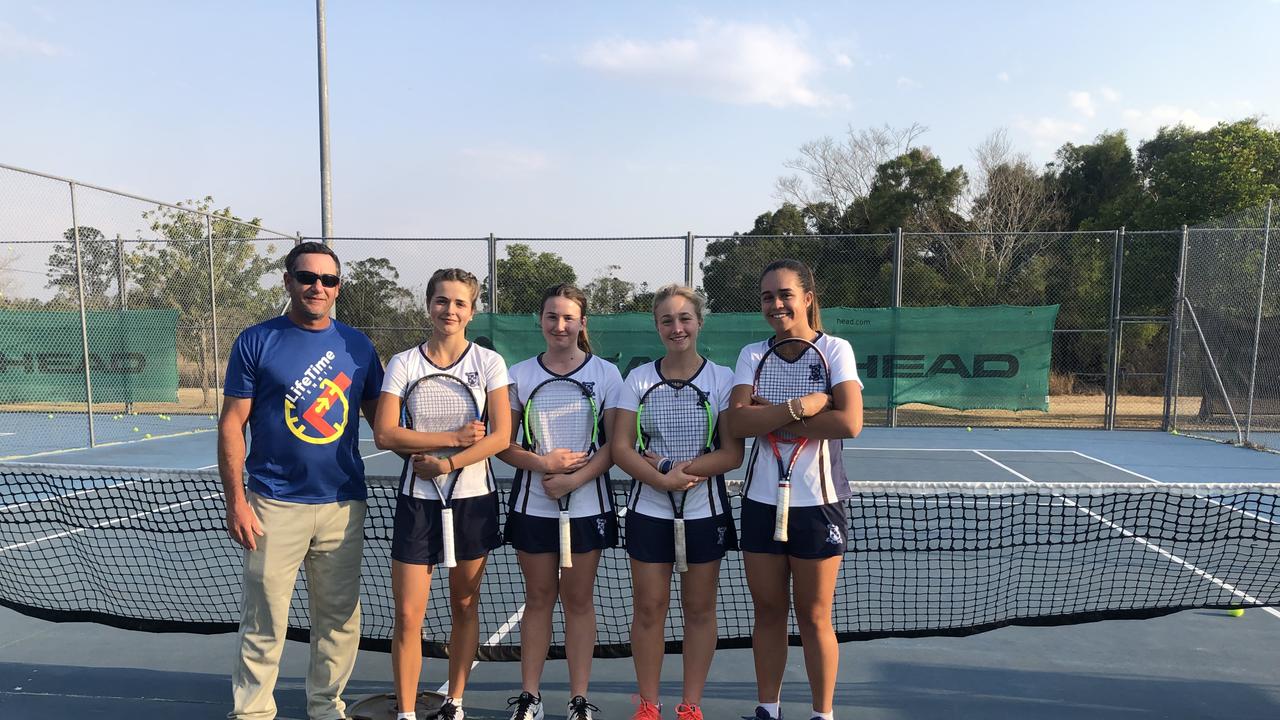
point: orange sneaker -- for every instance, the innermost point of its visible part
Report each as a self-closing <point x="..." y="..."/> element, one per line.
<point x="685" y="711"/>
<point x="646" y="710"/>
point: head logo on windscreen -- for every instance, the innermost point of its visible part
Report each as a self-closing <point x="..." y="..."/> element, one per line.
<point x="315" y="407"/>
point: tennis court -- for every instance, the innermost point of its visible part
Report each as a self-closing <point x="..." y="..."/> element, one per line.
<point x="1196" y="663"/>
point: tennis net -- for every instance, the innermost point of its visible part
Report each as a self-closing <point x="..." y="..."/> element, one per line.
<point x="147" y="550"/>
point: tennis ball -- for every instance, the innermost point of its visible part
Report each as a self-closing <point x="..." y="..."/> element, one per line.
<point x="135" y="429"/>
<point x="148" y="435"/>
<point x="1175" y="431"/>
<point x="49" y="415"/>
<point x="1236" y="612"/>
<point x="968" y="429"/>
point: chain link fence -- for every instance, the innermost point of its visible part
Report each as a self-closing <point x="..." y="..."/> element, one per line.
<point x="119" y="311"/>
<point x="169" y="287"/>
<point x="1227" y="332"/>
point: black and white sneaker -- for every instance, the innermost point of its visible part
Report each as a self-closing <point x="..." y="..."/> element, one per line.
<point x="762" y="714"/>
<point x="449" y="711"/>
<point x="527" y="707"/>
<point x="580" y="709"/>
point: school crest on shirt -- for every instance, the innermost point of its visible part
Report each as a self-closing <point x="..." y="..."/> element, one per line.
<point x="834" y="536"/>
<point x="590" y="385"/>
<point x="473" y="378"/>
<point x="815" y="372"/>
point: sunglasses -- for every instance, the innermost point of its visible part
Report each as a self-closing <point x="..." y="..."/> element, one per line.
<point x="306" y="277"/>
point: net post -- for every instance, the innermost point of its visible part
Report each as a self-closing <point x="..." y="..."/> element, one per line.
<point x="1173" y="356"/>
<point x="493" y="274"/>
<point x="688" y="259"/>
<point x="1257" y="321"/>
<point x="213" y="315"/>
<point x="1113" y="333"/>
<point x="895" y="302"/>
<point x="84" y="324"/>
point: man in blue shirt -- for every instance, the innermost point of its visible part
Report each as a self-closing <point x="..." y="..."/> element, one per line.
<point x="299" y="381"/>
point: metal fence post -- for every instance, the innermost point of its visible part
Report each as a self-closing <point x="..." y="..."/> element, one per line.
<point x="1113" y="336"/>
<point x="1257" y="320"/>
<point x="1173" y="356"/>
<point x="122" y="299"/>
<point x="493" y="274"/>
<point x="213" y="314"/>
<point x="688" y="259"/>
<point x="84" y="323"/>
<point x="896" y="303"/>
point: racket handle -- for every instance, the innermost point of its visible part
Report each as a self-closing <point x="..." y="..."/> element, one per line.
<point x="566" y="541"/>
<point x="682" y="556"/>
<point x="446" y="531"/>
<point x="782" y="513"/>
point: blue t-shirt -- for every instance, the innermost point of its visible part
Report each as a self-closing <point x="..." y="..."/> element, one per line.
<point x="304" y="428"/>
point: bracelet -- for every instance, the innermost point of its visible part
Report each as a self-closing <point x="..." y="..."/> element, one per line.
<point x="664" y="465"/>
<point x="451" y="468"/>
<point x="795" y="417"/>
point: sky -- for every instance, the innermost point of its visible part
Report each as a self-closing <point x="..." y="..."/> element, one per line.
<point x="562" y="119"/>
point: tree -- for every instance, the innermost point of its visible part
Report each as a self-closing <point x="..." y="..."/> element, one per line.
<point x="1194" y="176"/>
<point x="1000" y="262"/>
<point x="523" y="276"/>
<point x="373" y="300"/>
<point x="1098" y="183"/>
<point x="610" y="294"/>
<point x="175" y="273"/>
<point x="99" y="261"/>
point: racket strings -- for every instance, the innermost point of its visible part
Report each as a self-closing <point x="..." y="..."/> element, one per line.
<point x="779" y="380"/>
<point x="561" y="417"/>
<point x="439" y="406"/>
<point x="674" y="423"/>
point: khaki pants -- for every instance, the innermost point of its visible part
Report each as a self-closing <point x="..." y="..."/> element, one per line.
<point x="329" y="539"/>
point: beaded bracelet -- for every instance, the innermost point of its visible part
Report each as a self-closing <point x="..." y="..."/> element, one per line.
<point x="794" y="416"/>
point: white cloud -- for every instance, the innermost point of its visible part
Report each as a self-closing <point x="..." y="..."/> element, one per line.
<point x="844" y="61"/>
<point x="13" y="42"/>
<point x="505" y="161"/>
<point x="730" y="62"/>
<point x="1109" y="94"/>
<point x="908" y="83"/>
<point x="1048" y="133"/>
<point x="1083" y="102"/>
<point x="1144" y="124"/>
<point x="1002" y="76"/>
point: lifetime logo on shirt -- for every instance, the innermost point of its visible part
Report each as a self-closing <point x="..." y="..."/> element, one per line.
<point x="325" y="402"/>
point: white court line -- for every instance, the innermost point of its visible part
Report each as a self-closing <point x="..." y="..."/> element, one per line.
<point x="5" y="434"/>
<point x="108" y="523"/>
<point x="917" y="449"/>
<point x="46" y="453"/>
<point x="492" y="640"/>
<point x="6" y="508"/>
<point x="1140" y="540"/>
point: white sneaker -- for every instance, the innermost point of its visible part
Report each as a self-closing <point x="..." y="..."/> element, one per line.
<point x="527" y="707"/>
<point x="580" y="709"/>
<point x="449" y="711"/>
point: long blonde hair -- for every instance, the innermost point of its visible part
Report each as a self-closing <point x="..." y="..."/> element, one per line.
<point x="456" y="275"/>
<point x="677" y="290"/>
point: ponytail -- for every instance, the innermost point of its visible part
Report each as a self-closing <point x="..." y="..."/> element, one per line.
<point x="571" y="292"/>
<point x="807" y="284"/>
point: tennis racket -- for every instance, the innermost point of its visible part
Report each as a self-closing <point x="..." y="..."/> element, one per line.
<point x="440" y="403"/>
<point x="675" y="421"/>
<point x="791" y="368"/>
<point x="561" y="413"/>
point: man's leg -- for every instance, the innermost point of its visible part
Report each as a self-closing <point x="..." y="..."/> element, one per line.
<point x="270" y="573"/>
<point x="333" y="586"/>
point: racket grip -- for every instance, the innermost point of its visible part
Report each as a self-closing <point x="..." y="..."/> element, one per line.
<point x="682" y="555"/>
<point x="566" y="541"/>
<point x="782" y="513"/>
<point x="446" y="532"/>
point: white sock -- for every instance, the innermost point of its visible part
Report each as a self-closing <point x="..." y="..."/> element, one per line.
<point x="825" y="716"/>
<point x="771" y="708"/>
<point x="407" y="716"/>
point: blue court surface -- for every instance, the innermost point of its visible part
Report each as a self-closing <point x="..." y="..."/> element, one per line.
<point x="1193" y="664"/>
